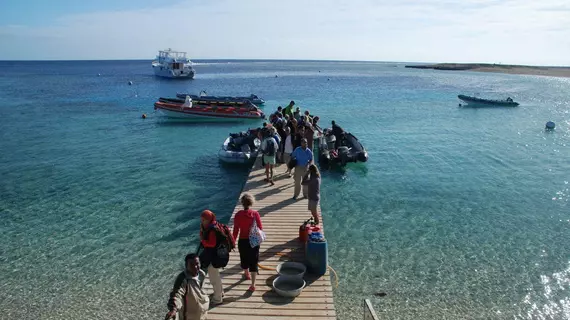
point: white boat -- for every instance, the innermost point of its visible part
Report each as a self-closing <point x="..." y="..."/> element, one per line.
<point x="239" y="154"/>
<point x="173" y="64"/>
<point x="480" y="102"/>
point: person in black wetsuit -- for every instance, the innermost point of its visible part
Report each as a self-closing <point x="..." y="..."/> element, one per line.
<point x="338" y="132"/>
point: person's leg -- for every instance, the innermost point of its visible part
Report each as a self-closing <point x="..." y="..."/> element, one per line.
<point x="299" y="173"/>
<point x="253" y="268"/>
<point x="243" y="245"/>
<point x="267" y="172"/>
<point x="313" y="208"/>
<point x="297" y="181"/>
<point x="216" y="282"/>
<point x="271" y="175"/>
<point x="286" y="158"/>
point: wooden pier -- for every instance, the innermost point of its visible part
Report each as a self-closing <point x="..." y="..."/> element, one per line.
<point x="281" y="217"/>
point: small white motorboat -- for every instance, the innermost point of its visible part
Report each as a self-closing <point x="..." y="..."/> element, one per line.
<point x="480" y="102"/>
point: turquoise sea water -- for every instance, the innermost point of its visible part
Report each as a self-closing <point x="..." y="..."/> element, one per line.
<point x="459" y="213"/>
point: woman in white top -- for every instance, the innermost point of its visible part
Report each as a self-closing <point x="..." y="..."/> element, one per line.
<point x="288" y="149"/>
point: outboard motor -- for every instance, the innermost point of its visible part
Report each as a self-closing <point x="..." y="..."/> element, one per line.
<point x="324" y="159"/>
<point x="331" y="141"/>
<point x="343" y="155"/>
<point x="342" y="150"/>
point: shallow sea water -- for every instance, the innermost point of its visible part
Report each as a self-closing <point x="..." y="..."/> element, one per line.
<point x="459" y="213"/>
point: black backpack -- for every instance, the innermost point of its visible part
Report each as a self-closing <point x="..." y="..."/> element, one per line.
<point x="269" y="147"/>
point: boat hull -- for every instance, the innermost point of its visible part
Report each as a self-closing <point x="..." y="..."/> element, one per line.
<point x="228" y="104"/>
<point x="185" y="73"/>
<point x="229" y="156"/>
<point x="478" y="102"/>
<point x="352" y="151"/>
<point x="190" y="114"/>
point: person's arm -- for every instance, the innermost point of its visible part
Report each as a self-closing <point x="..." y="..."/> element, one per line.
<point x="210" y="241"/>
<point x="236" y="226"/>
<point x="258" y="221"/>
<point x="176" y="297"/>
<point x="310" y="157"/>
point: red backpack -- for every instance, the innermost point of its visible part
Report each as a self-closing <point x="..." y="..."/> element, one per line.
<point x="224" y="236"/>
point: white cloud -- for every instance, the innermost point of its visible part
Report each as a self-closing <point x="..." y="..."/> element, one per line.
<point x="521" y="31"/>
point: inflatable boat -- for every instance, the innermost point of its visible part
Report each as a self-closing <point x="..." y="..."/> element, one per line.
<point x="348" y="149"/>
<point x="252" y="98"/>
<point x="189" y="111"/>
<point x="244" y="103"/>
<point x="240" y="147"/>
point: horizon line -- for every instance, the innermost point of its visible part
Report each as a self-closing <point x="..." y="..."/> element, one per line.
<point x="292" y="60"/>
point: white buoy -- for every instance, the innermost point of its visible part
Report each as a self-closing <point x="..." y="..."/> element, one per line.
<point x="130" y="83"/>
<point x="98" y="74"/>
<point x="550" y="125"/>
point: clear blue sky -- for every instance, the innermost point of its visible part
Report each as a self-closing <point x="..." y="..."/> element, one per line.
<point x="497" y="31"/>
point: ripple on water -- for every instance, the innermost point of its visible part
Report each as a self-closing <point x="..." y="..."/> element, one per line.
<point x="452" y="217"/>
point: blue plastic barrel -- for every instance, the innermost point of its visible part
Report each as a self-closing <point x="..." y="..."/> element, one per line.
<point x="316" y="255"/>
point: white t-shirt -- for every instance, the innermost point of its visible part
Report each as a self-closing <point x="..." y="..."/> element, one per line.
<point x="288" y="145"/>
<point x="269" y="140"/>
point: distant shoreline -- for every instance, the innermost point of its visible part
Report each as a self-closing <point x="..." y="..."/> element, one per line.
<point x="498" y="68"/>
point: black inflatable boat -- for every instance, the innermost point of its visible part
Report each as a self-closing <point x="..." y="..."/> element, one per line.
<point x="342" y="151"/>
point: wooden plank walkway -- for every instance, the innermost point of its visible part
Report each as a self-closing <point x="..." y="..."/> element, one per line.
<point x="281" y="217"/>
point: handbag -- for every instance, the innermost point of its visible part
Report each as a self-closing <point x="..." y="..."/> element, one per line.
<point x="292" y="163"/>
<point x="256" y="235"/>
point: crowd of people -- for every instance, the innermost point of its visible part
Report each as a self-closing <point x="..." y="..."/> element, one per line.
<point x="286" y="139"/>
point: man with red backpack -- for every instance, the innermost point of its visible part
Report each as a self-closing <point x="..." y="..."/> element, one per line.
<point x="217" y="240"/>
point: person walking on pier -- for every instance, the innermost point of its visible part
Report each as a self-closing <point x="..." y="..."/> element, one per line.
<point x="288" y="149"/>
<point x="187" y="300"/>
<point x="243" y="223"/>
<point x="269" y="147"/>
<point x="304" y="157"/>
<point x="312" y="180"/>
<point x="209" y="240"/>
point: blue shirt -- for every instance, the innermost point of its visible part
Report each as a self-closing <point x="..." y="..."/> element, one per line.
<point x="276" y="137"/>
<point x="303" y="156"/>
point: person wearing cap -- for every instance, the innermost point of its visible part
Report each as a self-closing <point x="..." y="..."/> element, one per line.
<point x="208" y="240"/>
<point x="188" y="300"/>
<point x="309" y="129"/>
<point x="304" y="157"/>
<point x="308" y="118"/>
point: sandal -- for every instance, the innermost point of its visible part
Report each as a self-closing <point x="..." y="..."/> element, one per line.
<point x="251" y="288"/>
